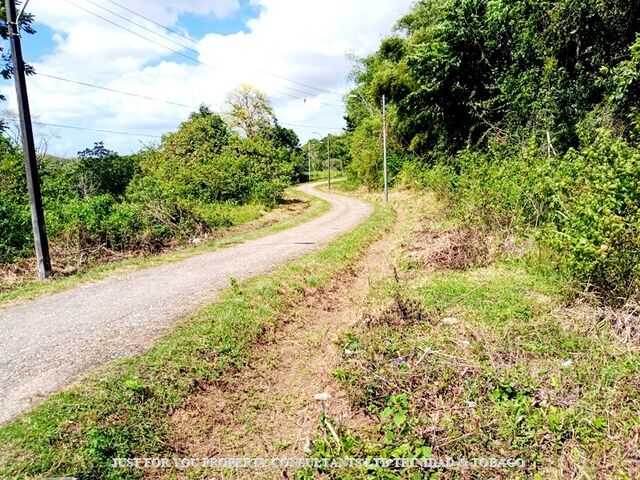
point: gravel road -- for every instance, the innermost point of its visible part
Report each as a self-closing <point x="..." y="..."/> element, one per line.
<point x="50" y="342"/>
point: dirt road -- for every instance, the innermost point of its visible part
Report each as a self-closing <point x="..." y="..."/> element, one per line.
<point x="50" y="342"/>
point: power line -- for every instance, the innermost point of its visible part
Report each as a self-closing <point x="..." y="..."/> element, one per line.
<point x="144" y="97"/>
<point x="113" y="90"/>
<point x="173" y="50"/>
<point x="175" y="32"/>
<point x="151" y="20"/>
<point x="131" y="134"/>
<point x="308" y="126"/>
<point x="100" y="130"/>
<point x="303" y="84"/>
<point x="164" y="37"/>
<point x="75" y="127"/>
<point x="137" y="34"/>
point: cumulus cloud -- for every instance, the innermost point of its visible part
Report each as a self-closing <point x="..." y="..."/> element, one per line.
<point x="294" y="50"/>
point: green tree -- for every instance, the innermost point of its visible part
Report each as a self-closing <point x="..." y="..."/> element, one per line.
<point x="102" y="171"/>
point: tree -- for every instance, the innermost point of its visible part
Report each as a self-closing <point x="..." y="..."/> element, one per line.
<point x="248" y="110"/>
<point x="199" y="138"/>
<point x="290" y="151"/>
<point x="101" y="170"/>
<point x="6" y="68"/>
<point x="43" y="134"/>
<point x="468" y="72"/>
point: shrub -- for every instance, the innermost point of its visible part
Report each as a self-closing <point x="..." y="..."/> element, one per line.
<point x="269" y="193"/>
<point x="82" y="221"/>
<point x="597" y="226"/>
<point x="585" y="203"/>
<point x="15" y="229"/>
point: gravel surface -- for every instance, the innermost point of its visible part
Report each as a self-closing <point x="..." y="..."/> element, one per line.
<point x="52" y="341"/>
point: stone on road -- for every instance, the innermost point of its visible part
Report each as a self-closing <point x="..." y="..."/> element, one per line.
<point x="52" y="341"/>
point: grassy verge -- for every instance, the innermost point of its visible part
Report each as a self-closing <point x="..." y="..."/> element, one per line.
<point x="486" y="360"/>
<point x="123" y="410"/>
<point x="31" y="289"/>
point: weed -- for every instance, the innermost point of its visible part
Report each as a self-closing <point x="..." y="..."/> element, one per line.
<point x="124" y="409"/>
<point x="490" y="368"/>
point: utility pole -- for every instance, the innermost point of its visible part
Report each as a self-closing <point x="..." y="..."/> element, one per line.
<point x="384" y="137"/>
<point x="309" y="155"/>
<point x="384" y="141"/>
<point x="30" y="162"/>
<point x="329" y="157"/>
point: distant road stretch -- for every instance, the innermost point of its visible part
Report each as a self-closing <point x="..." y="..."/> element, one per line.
<point x="50" y="342"/>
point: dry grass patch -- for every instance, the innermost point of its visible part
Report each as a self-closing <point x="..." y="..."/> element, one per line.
<point x="494" y="365"/>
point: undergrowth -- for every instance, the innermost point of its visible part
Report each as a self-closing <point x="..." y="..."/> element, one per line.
<point x="123" y="410"/>
<point x="17" y="285"/>
<point x="485" y="360"/>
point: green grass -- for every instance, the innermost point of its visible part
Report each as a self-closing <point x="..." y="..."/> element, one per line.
<point x="124" y="409"/>
<point x="516" y="371"/>
<point x="30" y="290"/>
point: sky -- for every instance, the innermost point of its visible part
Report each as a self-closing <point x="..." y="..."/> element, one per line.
<point x="297" y="51"/>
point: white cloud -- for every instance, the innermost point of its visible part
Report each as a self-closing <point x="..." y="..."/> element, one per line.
<point x="305" y="42"/>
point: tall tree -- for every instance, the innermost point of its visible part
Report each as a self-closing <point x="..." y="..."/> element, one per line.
<point x="248" y="110"/>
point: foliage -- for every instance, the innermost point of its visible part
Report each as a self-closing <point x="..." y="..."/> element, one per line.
<point x="15" y="222"/>
<point x="183" y="188"/>
<point x="102" y="171"/>
<point x="249" y="110"/>
<point x="583" y="204"/>
<point x="597" y="221"/>
<point x="26" y="26"/>
<point x="524" y="114"/>
<point x="15" y="228"/>
<point x="334" y="147"/>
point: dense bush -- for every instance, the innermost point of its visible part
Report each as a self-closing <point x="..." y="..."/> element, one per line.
<point x="597" y="222"/>
<point x="188" y="186"/>
<point x="15" y="229"/>
<point x="583" y="204"/>
<point x="102" y="171"/>
<point x="525" y="114"/>
<point x="15" y="220"/>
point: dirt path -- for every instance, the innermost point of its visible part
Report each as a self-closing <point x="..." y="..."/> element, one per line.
<point x="268" y="409"/>
<point x="49" y="342"/>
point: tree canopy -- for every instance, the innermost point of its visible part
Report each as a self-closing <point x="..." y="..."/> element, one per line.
<point x="248" y="110"/>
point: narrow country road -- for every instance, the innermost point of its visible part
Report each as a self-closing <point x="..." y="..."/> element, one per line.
<point x="48" y="343"/>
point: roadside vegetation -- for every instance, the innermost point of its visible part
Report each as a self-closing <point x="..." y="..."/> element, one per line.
<point x="511" y="326"/>
<point x="124" y="410"/>
<point x="296" y="207"/>
<point x="470" y="350"/>
<point x="210" y="174"/>
<point x="524" y="115"/>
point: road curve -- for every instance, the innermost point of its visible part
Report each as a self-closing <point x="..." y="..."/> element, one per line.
<point x="48" y="343"/>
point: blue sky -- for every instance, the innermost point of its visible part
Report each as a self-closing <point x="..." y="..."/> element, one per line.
<point x="198" y="25"/>
<point x="294" y="50"/>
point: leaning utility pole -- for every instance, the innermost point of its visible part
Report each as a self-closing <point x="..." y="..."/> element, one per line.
<point x="384" y="141"/>
<point x="30" y="162"/>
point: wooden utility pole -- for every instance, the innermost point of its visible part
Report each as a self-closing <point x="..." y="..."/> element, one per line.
<point x="30" y="161"/>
